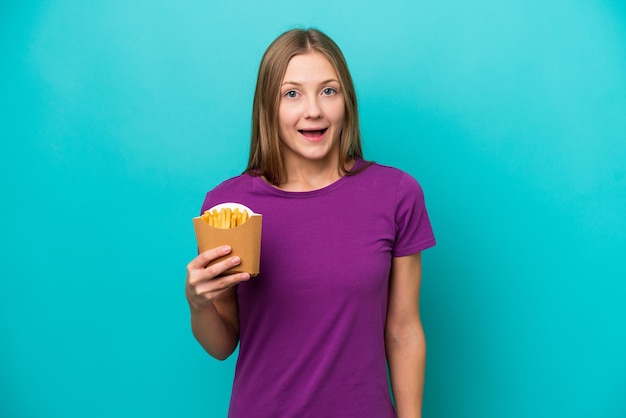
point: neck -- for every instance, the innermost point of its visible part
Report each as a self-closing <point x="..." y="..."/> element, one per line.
<point x="312" y="175"/>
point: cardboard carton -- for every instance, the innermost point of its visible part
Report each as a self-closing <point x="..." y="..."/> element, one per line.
<point x="245" y="241"/>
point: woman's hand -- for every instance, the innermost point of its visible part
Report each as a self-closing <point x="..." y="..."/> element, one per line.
<point x="204" y="284"/>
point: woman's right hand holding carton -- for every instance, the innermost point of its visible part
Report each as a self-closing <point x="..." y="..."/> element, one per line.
<point x="212" y="299"/>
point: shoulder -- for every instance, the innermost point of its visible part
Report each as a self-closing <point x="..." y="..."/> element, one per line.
<point x="232" y="183"/>
<point x="233" y="189"/>
<point x="392" y="176"/>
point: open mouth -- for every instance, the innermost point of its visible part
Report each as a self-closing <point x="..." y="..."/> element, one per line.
<point x="313" y="134"/>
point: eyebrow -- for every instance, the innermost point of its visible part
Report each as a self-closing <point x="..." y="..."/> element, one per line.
<point x="294" y="83"/>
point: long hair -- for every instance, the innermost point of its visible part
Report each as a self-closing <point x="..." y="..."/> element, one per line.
<point x="265" y="158"/>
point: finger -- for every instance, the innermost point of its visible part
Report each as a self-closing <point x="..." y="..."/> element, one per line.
<point x="218" y="269"/>
<point x="195" y="277"/>
<point x="212" y="288"/>
<point x="206" y="257"/>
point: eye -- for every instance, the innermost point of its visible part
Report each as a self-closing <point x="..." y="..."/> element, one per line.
<point x="329" y="91"/>
<point x="292" y="94"/>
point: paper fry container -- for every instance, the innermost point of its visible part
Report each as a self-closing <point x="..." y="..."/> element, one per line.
<point x="245" y="240"/>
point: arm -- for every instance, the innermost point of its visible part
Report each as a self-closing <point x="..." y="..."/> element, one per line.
<point x="213" y="302"/>
<point x="404" y="336"/>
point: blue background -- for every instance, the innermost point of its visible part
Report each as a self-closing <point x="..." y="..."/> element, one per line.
<point x="117" y="117"/>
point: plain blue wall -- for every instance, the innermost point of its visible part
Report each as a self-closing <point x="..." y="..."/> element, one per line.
<point x="117" y="117"/>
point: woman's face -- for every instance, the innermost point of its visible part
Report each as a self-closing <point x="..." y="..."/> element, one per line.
<point x="311" y="110"/>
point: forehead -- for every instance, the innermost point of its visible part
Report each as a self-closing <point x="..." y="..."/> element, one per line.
<point x="309" y="67"/>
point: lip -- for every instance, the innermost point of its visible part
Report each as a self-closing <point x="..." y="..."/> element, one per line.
<point x="313" y="134"/>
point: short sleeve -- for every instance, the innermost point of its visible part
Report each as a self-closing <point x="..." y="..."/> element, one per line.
<point x="413" y="229"/>
<point x="208" y="203"/>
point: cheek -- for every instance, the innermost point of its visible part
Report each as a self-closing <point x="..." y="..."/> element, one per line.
<point x="334" y="110"/>
<point x="286" y="116"/>
<point x="338" y="114"/>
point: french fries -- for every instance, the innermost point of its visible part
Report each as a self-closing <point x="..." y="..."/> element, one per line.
<point x="225" y="218"/>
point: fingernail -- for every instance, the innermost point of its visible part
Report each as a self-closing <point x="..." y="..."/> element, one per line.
<point x="236" y="260"/>
<point x="225" y="249"/>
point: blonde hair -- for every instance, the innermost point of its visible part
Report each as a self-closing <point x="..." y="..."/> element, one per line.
<point x="265" y="158"/>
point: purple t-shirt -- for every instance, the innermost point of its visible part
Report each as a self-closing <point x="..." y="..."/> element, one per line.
<point x="312" y="322"/>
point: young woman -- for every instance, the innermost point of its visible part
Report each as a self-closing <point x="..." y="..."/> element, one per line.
<point x="336" y="301"/>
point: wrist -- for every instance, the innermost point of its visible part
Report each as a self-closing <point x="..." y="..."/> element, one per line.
<point x="198" y="311"/>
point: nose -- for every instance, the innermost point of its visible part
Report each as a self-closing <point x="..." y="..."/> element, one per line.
<point x="313" y="109"/>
